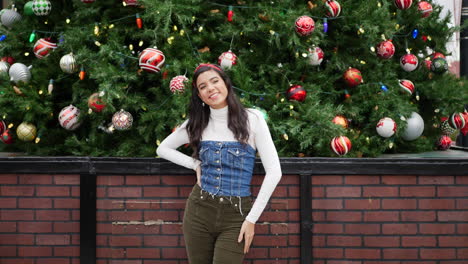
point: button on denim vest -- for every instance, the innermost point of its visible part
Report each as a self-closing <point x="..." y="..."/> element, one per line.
<point x="226" y="167"/>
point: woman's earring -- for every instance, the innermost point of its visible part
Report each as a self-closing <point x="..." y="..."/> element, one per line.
<point x="203" y="104"/>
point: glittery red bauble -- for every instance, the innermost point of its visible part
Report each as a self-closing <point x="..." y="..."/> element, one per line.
<point x="304" y="25"/>
<point x="425" y="8"/>
<point x="352" y="77"/>
<point x="44" y="47"/>
<point x="7" y="137"/>
<point x="385" y="49"/>
<point x="341" y="121"/>
<point x="340" y="145"/>
<point x="151" y="60"/>
<point x="403" y="4"/>
<point x="296" y="93"/>
<point x="407" y="86"/>
<point x="444" y="142"/>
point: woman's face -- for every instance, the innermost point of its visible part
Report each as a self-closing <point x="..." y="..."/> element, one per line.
<point x="212" y="89"/>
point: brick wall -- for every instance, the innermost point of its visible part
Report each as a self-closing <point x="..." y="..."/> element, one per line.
<point x="357" y="220"/>
<point x="39" y="219"/>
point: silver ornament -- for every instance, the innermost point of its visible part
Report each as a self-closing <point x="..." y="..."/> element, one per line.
<point x="68" y="63"/>
<point x="4" y="66"/>
<point x="20" y="73"/>
<point x="10" y="17"/>
<point x="122" y="120"/>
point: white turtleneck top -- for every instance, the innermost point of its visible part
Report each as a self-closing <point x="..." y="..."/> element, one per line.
<point x="217" y="130"/>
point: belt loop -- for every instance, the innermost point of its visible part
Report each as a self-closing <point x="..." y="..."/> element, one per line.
<point x="240" y="206"/>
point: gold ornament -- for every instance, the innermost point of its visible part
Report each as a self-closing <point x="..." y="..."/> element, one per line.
<point x="26" y="131"/>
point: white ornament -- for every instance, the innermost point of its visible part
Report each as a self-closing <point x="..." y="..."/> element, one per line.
<point x="9" y="17"/>
<point x="386" y="127"/>
<point x="414" y="127"/>
<point x="409" y="62"/>
<point x="315" y="56"/>
<point x="20" y="73"/>
<point x="4" y="66"/>
<point x="69" y="117"/>
<point x="41" y="7"/>
<point x="227" y="59"/>
<point x="177" y="84"/>
<point x="68" y="64"/>
<point x="122" y="120"/>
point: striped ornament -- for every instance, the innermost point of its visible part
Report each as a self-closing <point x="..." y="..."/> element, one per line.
<point x="403" y="4"/>
<point x="457" y="121"/>
<point x="177" y="84"/>
<point x="19" y="73"/>
<point x="151" y="60"/>
<point x="69" y="117"/>
<point x="68" y="64"/>
<point x="340" y="145"/>
<point x="407" y="86"/>
<point x="43" y="48"/>
<point x="333" y="8"/>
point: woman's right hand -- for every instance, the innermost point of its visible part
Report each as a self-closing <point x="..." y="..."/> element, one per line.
<point x="198" y="171"/>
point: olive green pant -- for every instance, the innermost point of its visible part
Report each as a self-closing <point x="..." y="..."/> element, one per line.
<point x="211" y="227"/>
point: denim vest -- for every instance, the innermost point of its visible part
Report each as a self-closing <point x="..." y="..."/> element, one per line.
<point x="226" y="167"/>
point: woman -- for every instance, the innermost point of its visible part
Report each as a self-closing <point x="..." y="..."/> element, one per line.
<point x="219" y="219"/>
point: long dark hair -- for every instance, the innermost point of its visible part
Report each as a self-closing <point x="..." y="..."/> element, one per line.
<point x="199" y="113"/>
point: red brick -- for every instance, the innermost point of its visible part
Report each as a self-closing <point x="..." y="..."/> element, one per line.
<point x="418" y="262"/>
<point x="436" y="253"/>
<point x="450" y="241"/>
<point x="110" y="180"/>
<point x="17" y="190"/>
<point x="8" y="179"/>
<point x="143" y="253"/>
<point x="327" y="229"/>
<point x="344" y="216"/>
<point x="171" y="229"/>
<point x="419" y="191"/>
<point x="143" y="180"/>
<point x="67" y="251"/>
<point x="101" y="192"/>
<point x="65" y="203"/>
<point x="399" y="203"/>
<point x="376" y="191"/>
<point x="399" y="229"/>
<point x="126" y="216"/>
<point x="461" y="180"/>
<point x="462" y="253"/>
<point x="8" y="202"/>
<point x="293" y="216"/>
<point x="444" y="191"/>
<point x="462" y="228"/>
<point x="16" y="239"/>
<point x="437" y="228"/>
<point x="290" y="180"/>
<point x="317" y="241"/>
<point x="160" y="192"/>
<point x="34" y="203"/>
<point x="327" y="204"/>
<point x="318" y="216"/>
<point x="294" y="191"/>
<point x="281" y="228"/>
<point x="418" y="241"/>
<point x="436" y="204"/>
<point x="346" y="262"/>
<point x="185" y="179"/>
<point x="34" y="227"/>
<point x="52" y="239"/>
<point x="290" y="252"/>
<point x="399" y="180"/>
<point x="68" y="227"/>
<point x="67" y="179"/>
<point x="35" y="179"/>
<point x="53" y="215"/>
<point x="7" y="251"/>
<point x="271" y="241"/>
<point x="169" y="204"/>
<point x="122" y="241"/>
<point x="16" y="215"/>
<point x="462" y="204"/>
<point x="161" y="241"/>
<point x="343" y="241"/>
<point x="318" y="192"/>
<point x="8" y="227"/>
<point x="280" y="216"/>
<point x="102" y="252"/>
<point x="326" y="253"/>
<point x="382" y="216"/>
<point x="163" y="262"/>
<point x="361" y="180"/>
<point x="362" y="229"/>
<point x="362" y="253"/>
<point x="35" y="251"/>
<point x="278" y="204"/>
<point x="184" y="191"/>
<point x="436" y="180"/>
<point x="418" y="216"/>
<point x="75" y="191"/>
<point x="136" y="229"/>
<point x="17" y="261"/>
<point x="174" y="253"/>
<point x="400" y="253"/>
<point x="170" y="216"/>
<point x="280" y="191"/>
<point x="124" y="192"/>
<point x="361" y="204"/>
<point x="125" y="261"/>
<point x="451" y="262"/>
<point x="458" y="216"/>
<point x="327" y="180"/>
<point x="343" y="191"/>
<point x="52" y="191"/>
<point x="53" y="261"/>
<point x="381" y="241"/>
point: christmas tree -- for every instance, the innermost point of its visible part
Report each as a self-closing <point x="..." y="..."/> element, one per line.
<point x="346" y="77"/>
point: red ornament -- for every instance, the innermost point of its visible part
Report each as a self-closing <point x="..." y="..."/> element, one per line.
<point x="403" y="4"/>
<point x="457" y="120"/>
<point x="151" y="60"/>
<point x="177" y="84"/>
<point x="425" y="8"/>
<point x="407" y="86"/>
<point x="304" y="25"/>
<point x="3" y="127"/>
<point x="44" y="47"/>
<point x="227" y="59"/>
<point x="409" y="62"/>
<point x="296" y="93"/>
<point x="385" y="49"/>
<point x="88" y="1"/>
<point x="353" y="77"/>
<point x="9" y="60"/>
<point x="464" y="129"/>
<point x="341" y="121"/>
<point x="7" y="137"/>
<point x="333" y="8"/>
<point x="424" y="38"/>
<point x="96" y="103"/>
<point x="340" y="145"/>
<point x="131" y="2"/>
<point x="230" y="14"/>
<point x="444" y="142"/>
<point x="436" y="55"/>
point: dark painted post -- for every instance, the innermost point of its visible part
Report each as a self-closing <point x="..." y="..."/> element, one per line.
<point x="87" y="218"/>
<point x="306" y="219"/>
